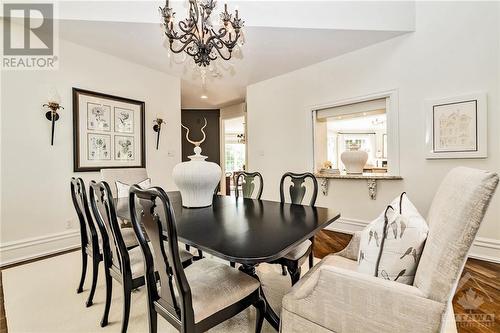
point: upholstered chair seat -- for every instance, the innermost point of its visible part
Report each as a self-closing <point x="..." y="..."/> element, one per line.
<point x="216" y="286"/>
<point x="299" y="251"/>
<point x="129" y="237"/>
<point x="137" y="261"/>
<point x="334" y="297"/>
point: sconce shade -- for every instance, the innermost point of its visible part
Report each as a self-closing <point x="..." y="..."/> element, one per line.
<point x="53" y="96"/>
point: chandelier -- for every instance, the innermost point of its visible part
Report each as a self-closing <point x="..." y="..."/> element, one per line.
<point x="197" y="36"/>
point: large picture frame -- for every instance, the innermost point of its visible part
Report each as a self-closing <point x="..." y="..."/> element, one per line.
<point x="108" y="132"/>
<point x="456" y="127"/>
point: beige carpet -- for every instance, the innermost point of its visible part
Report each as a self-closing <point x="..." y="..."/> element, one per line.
<point x="41" y="297"/>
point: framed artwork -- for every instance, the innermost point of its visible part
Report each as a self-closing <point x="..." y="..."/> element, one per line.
<point x="108" y="132"/>
<point x="457" y="127"/>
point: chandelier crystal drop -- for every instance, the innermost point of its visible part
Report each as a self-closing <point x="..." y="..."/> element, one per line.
<point x="198" y="37"/>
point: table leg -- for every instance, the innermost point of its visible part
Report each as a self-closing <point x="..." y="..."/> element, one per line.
<point x="270" y="315"/>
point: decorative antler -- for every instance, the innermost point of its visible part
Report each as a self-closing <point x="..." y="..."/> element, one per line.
<point x="196" y="143"/>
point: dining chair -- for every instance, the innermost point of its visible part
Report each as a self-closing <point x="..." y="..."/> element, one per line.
<point x="296" y="194"/>
<point x="89" y="237"/>
<point x="120" y="262"/>
<point x="252" y="185"/>
<point x="192" y="299"/>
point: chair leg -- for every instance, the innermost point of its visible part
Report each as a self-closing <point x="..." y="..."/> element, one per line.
<point x="283" y="270"/>
<point x="84" y="271"/>
<point x="232" y="264"/>
<point x="311" y="255"/>
<point x="294" y="271"/>
<point x="153" y="319"/>
<point x="260" y="306"/>
<point x="109" y="292"/>
<point x="95" y="271"/>
<point x="127" y="291"/>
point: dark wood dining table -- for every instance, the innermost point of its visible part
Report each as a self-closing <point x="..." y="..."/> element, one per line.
<point x="245" y="231"/>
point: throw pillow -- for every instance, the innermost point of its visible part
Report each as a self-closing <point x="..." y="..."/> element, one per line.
<point x="391" y="245"/>
<point x="122" y="188"/>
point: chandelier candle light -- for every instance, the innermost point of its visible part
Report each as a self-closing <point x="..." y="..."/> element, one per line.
<point x="196" y="34"/>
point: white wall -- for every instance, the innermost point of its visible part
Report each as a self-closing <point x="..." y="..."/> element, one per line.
<point x="454" y="51"/>
<point x="35" y="190"/>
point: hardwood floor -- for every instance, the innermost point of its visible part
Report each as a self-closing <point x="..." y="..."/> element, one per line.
<point x="3" y="320"/>
<point x="477" y="300"/>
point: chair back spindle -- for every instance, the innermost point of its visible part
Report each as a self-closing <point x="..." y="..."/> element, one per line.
<point x="297" y="190"/>
<point x="252" y="185"/>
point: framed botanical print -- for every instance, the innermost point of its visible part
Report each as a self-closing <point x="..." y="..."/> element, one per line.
<point x="457" y="127"/>
<point x="108" y="131"/>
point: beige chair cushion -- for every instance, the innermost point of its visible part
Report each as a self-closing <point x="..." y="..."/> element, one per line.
<point x="215" y="286"/>
<point x="334" y="296"/>
<point x="127" y="176"/>
<point x="137" y="261"/>
<point x="129" y="237"/>
<point x="351" y="251"/>
<point x="299" y="251"/>
<point x="340" y="262"/>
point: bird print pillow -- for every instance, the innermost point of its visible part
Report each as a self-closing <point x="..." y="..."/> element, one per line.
<point x="391" y="245"/>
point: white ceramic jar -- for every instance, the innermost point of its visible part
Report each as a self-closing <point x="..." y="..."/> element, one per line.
<point x="197" y="180"/>
<point x="354" y="160"/>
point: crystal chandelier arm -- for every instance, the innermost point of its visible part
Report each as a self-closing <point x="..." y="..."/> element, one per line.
<point x="218" y="45"/>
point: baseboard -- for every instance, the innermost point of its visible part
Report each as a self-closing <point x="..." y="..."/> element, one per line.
<point x="32" y="248"/>
<point x="483" y="248"/>
<point x="486" y="249"/>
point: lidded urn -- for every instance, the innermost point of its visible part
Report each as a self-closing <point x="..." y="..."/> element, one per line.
<point x="354" y="159"/>
<point x="197" y="179"/>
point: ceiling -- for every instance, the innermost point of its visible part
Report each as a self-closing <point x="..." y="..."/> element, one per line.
<point x="267" y="52"/>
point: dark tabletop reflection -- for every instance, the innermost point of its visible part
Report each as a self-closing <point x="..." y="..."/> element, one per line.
<point x="243" y="230"/>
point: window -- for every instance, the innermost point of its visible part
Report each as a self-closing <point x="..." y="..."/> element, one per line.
<point x="363" y="125"/>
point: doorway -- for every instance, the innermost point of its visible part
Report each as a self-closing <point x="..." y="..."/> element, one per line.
<point x="234" y="136"/>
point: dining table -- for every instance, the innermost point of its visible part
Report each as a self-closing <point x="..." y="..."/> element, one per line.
<point x="242" y="230"/>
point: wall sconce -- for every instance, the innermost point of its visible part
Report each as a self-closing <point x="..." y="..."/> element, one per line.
<point x="157" y="128"/>
<point x="53" y="104"/>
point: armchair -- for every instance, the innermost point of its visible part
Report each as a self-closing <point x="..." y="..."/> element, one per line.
<point x="334" y="297"/>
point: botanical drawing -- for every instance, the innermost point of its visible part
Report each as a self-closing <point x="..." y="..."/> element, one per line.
<point x="124" y="147"/>
<point x="124" y="120"/>
<point x="98" y="117"/>
<point x="99" y="146"/>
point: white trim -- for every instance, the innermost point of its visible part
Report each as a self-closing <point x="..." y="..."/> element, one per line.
<point x="483" y="248"/>
<point x="392" y="112"/>
<point x="31" y="248"/>
<point x="486" y="249"/>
